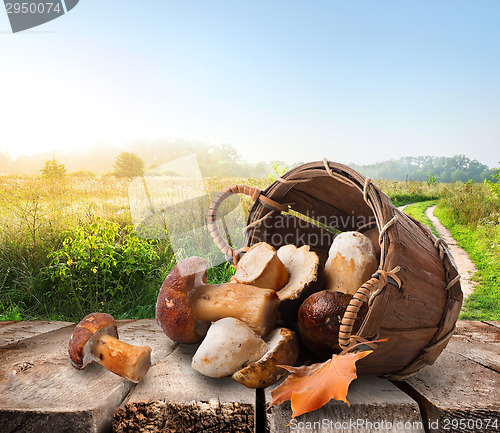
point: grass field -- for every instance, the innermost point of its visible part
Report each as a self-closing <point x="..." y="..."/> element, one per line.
<point x="68" y="247"/>
<point x="417" y="211"/>
<point x="472" y="215"/>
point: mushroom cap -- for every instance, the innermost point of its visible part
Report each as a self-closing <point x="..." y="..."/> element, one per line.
<point x="283" y="349"/>
<point x="91" y="325"/>
<point x="319" y="321"/>
<point x="174" y="313"/>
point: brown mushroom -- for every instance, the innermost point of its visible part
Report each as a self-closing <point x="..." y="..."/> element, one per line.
<point x="174" y="313"/>
<point x="95" y="338"/>
<point x="186" y="305"/>
<point x="319" y="320"/>
<point x="283" y="349"/>
<point x="260" y="266"/>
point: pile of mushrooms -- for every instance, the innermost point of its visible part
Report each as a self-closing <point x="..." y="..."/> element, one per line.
<point x="236" y="322"/>
<point x="243" y="327"/>
<point x="352" y="259"/>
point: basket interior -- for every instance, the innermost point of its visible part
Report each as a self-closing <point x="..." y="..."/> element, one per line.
<point x="320" y="208"/>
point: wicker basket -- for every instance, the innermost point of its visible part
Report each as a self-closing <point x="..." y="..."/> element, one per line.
<point x="415" y="297"/>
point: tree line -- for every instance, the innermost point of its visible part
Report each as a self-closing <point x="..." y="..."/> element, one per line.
<point x="224" y="160"/>
<point x="213" y="160"/>
<point x="432" y="169"/>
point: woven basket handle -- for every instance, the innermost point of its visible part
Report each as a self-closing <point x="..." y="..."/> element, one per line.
<point x="375" y="284"/>
<point x="255" y="194"/>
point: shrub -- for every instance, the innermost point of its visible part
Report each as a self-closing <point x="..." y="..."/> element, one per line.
<point x="53" y="170"/>
<point x="494" y="187"/>
<point x="99" y="261"/>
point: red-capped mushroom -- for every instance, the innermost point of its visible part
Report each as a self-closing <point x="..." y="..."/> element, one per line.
<point x="95" y="338"/>
<point x="174" y="313"/>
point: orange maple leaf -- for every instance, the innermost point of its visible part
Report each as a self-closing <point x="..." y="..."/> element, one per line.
<point x="310" y="387"/>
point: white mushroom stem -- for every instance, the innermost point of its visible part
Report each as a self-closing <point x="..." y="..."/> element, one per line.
<point x="257" y="307"/>
<point x="351" y="261"/>
<point x="123" y="359"/>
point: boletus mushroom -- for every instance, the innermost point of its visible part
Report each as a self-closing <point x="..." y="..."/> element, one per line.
<point x="319" y="320"/>
<point x="95" y="338"/>
<point x="302" y="266"/>
<point x="283" y="349"/>
<point x="351" y="262"/>
<point x="228" y="345"/>
<point x="260" y="266"/>
<point x="231" y="348"/>
<point x="186" y="304"/>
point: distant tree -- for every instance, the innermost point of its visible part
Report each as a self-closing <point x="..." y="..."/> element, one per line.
<point x="128" y="164"/>
<point x="278" y="170"/>
<point x="52" y="169"/>
<point x="431" y="179"/>
<point x="458" y="168"/>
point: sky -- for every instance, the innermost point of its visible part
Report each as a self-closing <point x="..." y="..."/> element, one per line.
<point x="351" y="80"/>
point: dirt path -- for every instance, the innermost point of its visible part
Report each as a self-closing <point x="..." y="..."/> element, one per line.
<point x="464" y="264"/>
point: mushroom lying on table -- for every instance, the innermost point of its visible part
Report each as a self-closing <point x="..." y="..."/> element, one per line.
<point x="95" y="338"/>
<point x="186" y="304"/>
<point x="231" y="348"/>
<point x="282" y="349"/>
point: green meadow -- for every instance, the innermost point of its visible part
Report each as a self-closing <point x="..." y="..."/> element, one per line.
<point x="68" y="245"/>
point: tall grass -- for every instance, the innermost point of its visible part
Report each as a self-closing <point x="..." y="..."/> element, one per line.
<point x="472" y="214"/>
<point x="66" y="246"/>
<point x="411" y="191"/>
<point x="417" y="211"/>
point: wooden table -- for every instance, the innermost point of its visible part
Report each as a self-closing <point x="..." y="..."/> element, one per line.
<point x="41" y="392"/>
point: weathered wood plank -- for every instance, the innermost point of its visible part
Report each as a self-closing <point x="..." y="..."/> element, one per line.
<point x="41" y="391"/>
<point x="174" y="397"/>
<point x="461" y="391"/>
<point x="13" y="331"/>
<point x="479" y="342"/>
<point x="376" y="405"/>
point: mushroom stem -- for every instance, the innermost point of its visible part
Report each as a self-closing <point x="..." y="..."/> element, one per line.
<point x="257" y="307"/>
<point x="123" y="359"/>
